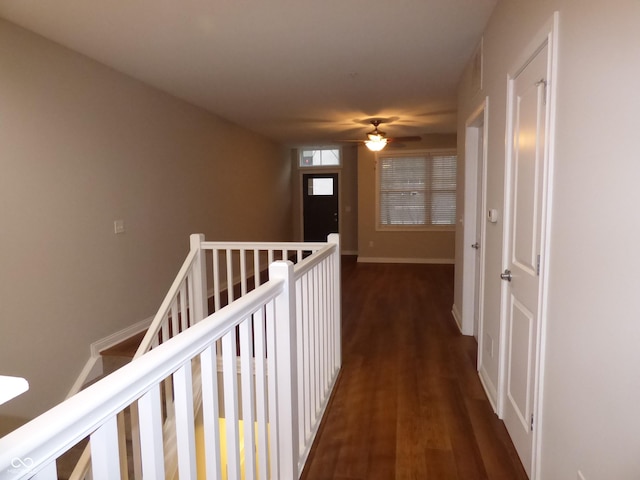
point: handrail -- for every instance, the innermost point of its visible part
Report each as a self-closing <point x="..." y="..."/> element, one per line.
<point x="145" y="344"/>
<point x="83" y="413"/>
<point x="264" y="245"/>
<point x="308" y="263"/>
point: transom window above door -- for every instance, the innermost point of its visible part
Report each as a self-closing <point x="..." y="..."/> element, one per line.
<point x="319" y="157"/>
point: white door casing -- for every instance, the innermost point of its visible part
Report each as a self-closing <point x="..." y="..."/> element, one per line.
<point x="480" y="225"/>
<point x="531" y="112"/>
<point x="474" y="222"/>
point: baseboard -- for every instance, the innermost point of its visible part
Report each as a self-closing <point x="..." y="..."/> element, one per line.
<point x="93" y="368"/>
<point x="120" y="336"/>
<point x="457" y="317"/>
<point x="434" y="261"/>
<point x="489" y="388"/>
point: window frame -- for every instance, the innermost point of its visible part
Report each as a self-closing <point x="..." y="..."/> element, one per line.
<point x="409" y="227"/>
<point x="320" y="167"/>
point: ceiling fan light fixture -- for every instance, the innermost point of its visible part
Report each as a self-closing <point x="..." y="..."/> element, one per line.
<point x="375" y="136"/>
<point x="376" y="144"/>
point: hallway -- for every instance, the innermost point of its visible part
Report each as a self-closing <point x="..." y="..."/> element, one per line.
<point x="408" y="403"/>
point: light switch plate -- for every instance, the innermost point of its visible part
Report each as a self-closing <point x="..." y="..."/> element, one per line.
<point x="118" y="226"/>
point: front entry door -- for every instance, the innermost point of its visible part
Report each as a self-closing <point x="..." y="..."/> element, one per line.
<point x="528" y="117"/>
<point x="320" y="205"/>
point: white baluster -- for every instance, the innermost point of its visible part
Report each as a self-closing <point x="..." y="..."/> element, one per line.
<point x="185" y="429"/>
<point x="105" y="459"/>
<point x="174" y="329"/>
<point x="122" y="446"/>
<point x="47" y="473"/>
<point x="216" y="279"/>
<point x="243" y="272"/>
<point x="185" y="313"/>
<point x="230" y="378"/>
<point x="211" y="412"/>
<point x="248" y="397"/>
<point x="150" y="415"/>
<point x="272" y="379"/>
<point x="261" y="393"/>
<point x="230" y="296"/>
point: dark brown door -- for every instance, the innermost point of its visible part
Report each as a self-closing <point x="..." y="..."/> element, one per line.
<point x="320" y="205"/>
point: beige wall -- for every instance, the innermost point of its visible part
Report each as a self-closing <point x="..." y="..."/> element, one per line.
<point x="347" y="197"/>
<point x="81" y="146"/>
<point x="589" y="419"/>
<point x="430" y="246"/>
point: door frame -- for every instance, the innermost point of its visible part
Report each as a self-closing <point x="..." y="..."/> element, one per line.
<point x="548" y="35"/>
<point x="317" y="171"/>
<point x="473" y="165"/>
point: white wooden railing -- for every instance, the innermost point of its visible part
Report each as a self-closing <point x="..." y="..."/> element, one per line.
<point x="268" y="360"/>
<point x="230" y="269"/>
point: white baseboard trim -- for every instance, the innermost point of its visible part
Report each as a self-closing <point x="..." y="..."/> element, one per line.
<point x="120" y="336"/>
<point x="93" y="368"/>
<point x="489" y="388"/>
<point x="457" y="317"/>
<point x="434" y="261"/>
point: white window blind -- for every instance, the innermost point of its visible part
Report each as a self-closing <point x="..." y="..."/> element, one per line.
<point x="417" y="190"/>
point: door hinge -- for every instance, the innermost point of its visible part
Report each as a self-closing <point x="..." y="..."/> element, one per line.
<point x="538" y="265"/>
<point x="532" y="422"/>
<point x="544" y="83"/>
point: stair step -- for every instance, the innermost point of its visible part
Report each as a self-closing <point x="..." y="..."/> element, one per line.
<point x="126" y="348"/>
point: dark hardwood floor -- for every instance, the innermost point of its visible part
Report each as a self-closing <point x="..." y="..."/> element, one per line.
<point x="408" y="403"/>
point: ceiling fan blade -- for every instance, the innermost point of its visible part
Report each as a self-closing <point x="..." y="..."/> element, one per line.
<point x="405" y="139"/>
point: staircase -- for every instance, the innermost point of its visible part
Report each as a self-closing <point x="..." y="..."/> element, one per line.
<point x="267" y="361"/>
<point x="113" y="358"/>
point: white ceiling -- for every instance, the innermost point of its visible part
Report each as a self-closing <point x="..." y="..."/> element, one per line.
<point x="298" y="71"/>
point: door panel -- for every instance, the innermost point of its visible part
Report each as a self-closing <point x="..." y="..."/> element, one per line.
<point x="521" y="367"/>
<point x="527" y="157"/>
<point x="320" y="205"/>
<point x="527" y="166"/>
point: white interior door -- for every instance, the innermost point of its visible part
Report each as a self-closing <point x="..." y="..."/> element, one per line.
<point x="479" y="222"/>
<point x="473" y="225"/>
<point x="526" y="170"/>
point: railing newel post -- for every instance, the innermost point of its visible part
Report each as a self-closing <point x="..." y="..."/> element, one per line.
<point x="200" y="307"/>
<point x="337" y="299"/>
<point x="286" y="370"/>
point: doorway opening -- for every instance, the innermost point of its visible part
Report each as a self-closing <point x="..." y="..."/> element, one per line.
<point x="474" y="224"/>
<point x="320" y="206"/>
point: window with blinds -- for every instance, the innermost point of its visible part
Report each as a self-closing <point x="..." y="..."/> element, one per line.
<point x="416" y="190"/>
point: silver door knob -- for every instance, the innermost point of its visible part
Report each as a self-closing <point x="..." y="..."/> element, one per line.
<point x="476" y="246"/>
<point x="506" y="275"/>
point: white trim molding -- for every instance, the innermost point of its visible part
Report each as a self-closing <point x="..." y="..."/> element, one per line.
<point x="489" y="388"/>
<point x="93" y="368"/>
<point x="457" y="317"/>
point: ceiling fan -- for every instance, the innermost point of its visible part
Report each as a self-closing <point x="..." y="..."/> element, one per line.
<point x="376" y="139"/>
